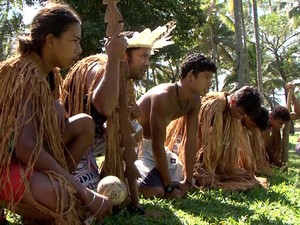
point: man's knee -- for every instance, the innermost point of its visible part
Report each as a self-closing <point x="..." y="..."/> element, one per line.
<point x="49" y="193"/>
<point x="85" y="121"/>
<point x="82" y="124"/>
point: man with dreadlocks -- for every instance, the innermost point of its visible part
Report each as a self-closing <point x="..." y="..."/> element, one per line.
<point x="162" y="174"/>
<point x="94" y="78"/>
<point x="272" y="136"/>
<point x="39" y="147"/>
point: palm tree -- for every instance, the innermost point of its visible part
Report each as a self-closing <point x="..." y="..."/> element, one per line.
<point x="257" y="47"/>
<point x="240" y="39"/>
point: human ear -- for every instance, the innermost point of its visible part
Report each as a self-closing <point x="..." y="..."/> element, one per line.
<point x="232" y="102"/>
<point x="190" y="75"/>
<point x="49" y="40"/>
<point x="125" y="57"/>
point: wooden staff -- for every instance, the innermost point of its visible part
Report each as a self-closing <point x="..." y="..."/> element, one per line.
<point x="286" y="132"/>
<point x="112" y="18"/>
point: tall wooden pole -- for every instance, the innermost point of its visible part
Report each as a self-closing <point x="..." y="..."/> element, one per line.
<point x="127" y="142"/>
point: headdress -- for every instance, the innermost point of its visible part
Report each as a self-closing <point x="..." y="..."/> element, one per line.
<point x="154" y="40"/>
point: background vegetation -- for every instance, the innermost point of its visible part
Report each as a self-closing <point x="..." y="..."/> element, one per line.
<point x="253" y="42"/>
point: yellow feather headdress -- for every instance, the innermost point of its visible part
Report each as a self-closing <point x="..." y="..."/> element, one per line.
<point x="156" y="39"/>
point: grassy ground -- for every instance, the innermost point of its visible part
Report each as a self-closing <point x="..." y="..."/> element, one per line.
<point x="277" y="205"/>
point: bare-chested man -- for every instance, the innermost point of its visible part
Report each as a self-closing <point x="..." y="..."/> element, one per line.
<point x="272" y="136"/>
<point x="159" y="106"/>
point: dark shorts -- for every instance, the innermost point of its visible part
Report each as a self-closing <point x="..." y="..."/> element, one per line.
<point x="153" y="179"/>
<point x="12" y="188"/>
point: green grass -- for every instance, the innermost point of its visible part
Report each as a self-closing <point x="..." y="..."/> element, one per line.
<point x="277" y="205"/>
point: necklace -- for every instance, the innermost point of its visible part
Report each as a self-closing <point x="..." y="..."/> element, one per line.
<point x="182" y="107"/>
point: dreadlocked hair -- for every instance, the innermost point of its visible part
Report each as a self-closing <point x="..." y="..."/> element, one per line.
<point x="24" y="85"/>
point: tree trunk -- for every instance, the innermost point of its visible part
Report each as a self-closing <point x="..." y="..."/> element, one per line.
<point x="257" y="47"/>
<point x="213" y="43"/>
<point x="239" y="43"/>
<point x="245" y="49"/>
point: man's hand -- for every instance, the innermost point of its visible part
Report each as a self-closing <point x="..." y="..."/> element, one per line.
<point x="290" y="85"/>
<point x="135" y="111"/>
<point x="116" y="45"/>
<point x="184" y="186"/>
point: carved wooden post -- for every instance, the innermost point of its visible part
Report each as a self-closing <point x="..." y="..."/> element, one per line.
<point x="113" y="17"/>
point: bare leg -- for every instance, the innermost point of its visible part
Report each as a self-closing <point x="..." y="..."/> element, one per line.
<point x="78" y="136"/>
<point x="42" y="189"/>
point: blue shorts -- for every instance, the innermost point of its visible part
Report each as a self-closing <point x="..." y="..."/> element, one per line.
<point x="152" y="179"/>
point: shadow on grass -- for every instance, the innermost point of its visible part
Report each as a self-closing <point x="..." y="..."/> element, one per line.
<point x="156" y="214"/>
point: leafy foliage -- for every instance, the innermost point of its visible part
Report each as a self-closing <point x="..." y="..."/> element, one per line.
<point x="11" y="24"/>
<point x="200" y="28"/>
<point x="137" y="16"/>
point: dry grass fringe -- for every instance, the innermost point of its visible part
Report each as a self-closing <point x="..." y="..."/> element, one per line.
<point x="74" y="92"/>
<point x="219" y="148"/>
<point x="23" y="85"/>
<point x="259" y="153"/>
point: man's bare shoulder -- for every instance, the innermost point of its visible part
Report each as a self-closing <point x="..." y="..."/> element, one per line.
<point x="163" y="88"/>
<point x="159" y="96"/>
<point x="159" y="92"/>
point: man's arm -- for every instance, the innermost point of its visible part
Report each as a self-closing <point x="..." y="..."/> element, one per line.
<point x="190" y="147"/>
<point x="296" y="114"/>
<point x="108" y="84"/>
<point x="158" y="123"/>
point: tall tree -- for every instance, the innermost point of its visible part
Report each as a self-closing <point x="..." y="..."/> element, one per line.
<point x="282" y="49"/>
<point x="214" y="53"/>
<point x="240" y="39"/>
<point x="11" y="24"/>
<point x="257" y="47"/>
